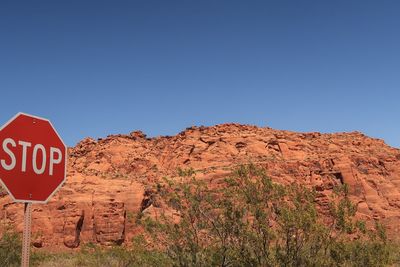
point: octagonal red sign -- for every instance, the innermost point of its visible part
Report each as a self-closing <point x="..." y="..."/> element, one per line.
<point x="32" y="158"/>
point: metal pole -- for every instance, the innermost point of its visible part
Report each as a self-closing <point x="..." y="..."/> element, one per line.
<point x="26" y="239"/>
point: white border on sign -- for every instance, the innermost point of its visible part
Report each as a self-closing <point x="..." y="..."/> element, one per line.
<point x="65" y="167"/>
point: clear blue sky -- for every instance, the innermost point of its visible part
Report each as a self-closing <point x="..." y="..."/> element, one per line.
<point x="100" y="67"/>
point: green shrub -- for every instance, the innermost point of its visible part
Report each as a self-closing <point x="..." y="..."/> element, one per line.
<point x="251" y="221"/>
<point x="185" y="172"/>
<point x="10" y="249"/>
<point x="92" y="255"/>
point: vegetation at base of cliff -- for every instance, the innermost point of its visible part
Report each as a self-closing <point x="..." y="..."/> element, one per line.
<point x="247" y="221"/>
<point x="251" y="221"/>
<point x="10" y="249"/>
<point x="91" y="255"/>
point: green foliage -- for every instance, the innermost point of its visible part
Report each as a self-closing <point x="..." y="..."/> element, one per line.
<point x="251" y="221"/>
<point x="186" y="172"/>
<point x="302" y="239"/>
<point x="365" y="253"/>
<point x="130" y="216"/>
<point x="344" y="211"/>
<point x="92" y="255"/>
<point x="10" y="249"/>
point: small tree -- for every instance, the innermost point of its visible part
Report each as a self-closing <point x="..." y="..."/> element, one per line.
<point x="251" y="221"/>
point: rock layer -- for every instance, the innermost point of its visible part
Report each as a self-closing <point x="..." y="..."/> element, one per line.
<point x="109" y="180"/>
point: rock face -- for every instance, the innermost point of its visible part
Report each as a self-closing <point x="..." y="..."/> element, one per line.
<point x="109" y="180"/>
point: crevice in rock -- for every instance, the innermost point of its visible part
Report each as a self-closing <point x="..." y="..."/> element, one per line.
<point x="240" y="145"/>
<point x="191" y="150"/>
<point x="72" y="228"/>
<point x="92" y="218"/>
<point x="339" y="176"/>
<point x="62" y="207"/>
<point x="78" y="229"/>
<point x="147" y="200"/>
<point x="209" y="142"/>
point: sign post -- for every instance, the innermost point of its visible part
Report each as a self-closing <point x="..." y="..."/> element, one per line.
<point x="32" y="165"/>
<point x="26" y="238"/>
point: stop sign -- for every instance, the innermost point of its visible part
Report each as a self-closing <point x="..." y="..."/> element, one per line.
<point x="32" y="158"/>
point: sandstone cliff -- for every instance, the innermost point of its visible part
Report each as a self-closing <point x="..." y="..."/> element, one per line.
<point x="109" y="180"/>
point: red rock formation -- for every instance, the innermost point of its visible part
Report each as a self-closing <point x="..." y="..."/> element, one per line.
<point x="109" y="180"/>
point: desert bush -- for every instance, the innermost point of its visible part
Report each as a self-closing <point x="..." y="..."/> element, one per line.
<point x="251" y="221"/>
<point x="10" y="249"/>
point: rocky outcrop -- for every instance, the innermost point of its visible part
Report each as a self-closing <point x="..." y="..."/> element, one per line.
<point x="110" y="180"/>
<point x="109" y="224"/>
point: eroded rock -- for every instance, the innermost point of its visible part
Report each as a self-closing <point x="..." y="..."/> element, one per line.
<point x="105" y="188"/>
